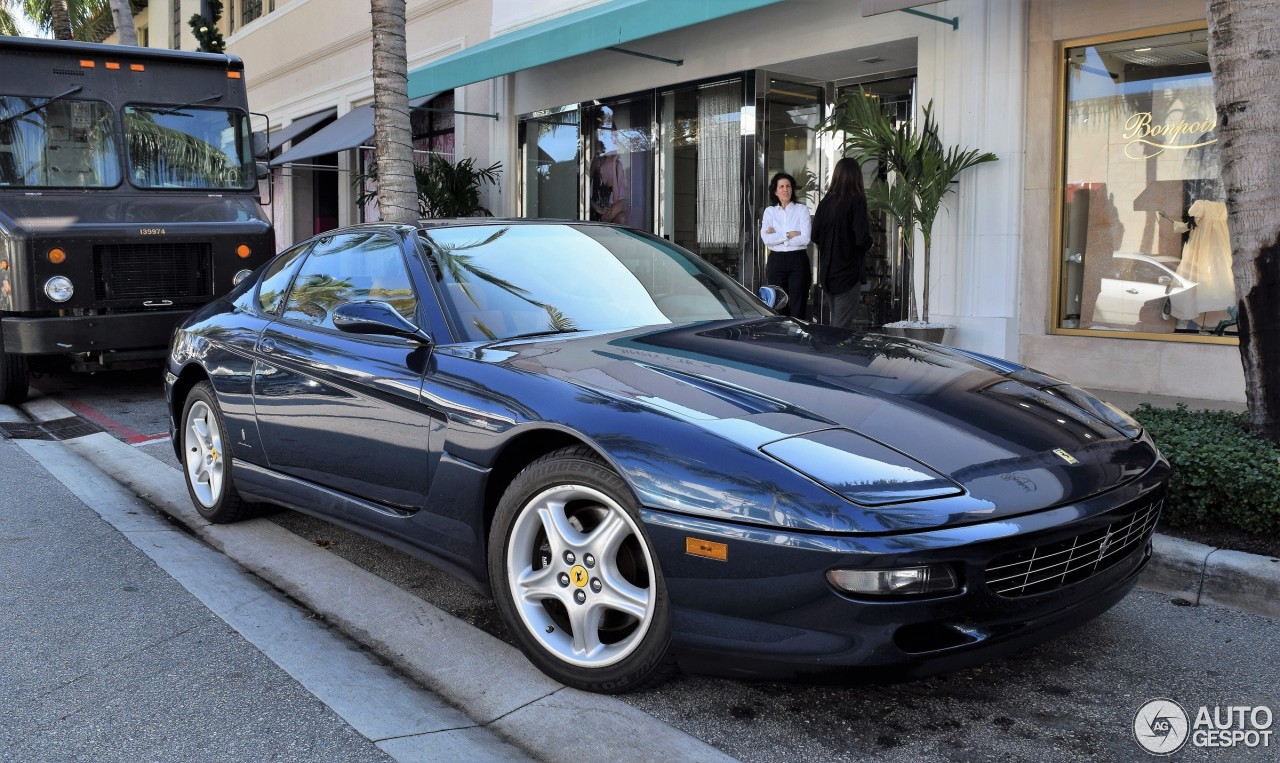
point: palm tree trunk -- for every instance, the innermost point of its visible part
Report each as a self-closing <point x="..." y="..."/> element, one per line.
<point x="1243" y="38"/>
<point x="122" y="16"/>
<point x="61" y="20"/>
<point x="397" y="191"/>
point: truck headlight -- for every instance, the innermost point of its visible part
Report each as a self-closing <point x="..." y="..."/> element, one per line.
<point x="59" y="288"/>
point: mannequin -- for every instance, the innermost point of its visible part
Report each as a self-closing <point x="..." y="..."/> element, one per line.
<point x="608" y="183"/>
<point x="1206" y="261"/>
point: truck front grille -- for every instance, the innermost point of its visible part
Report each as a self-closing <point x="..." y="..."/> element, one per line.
<point x="164" y="271"/>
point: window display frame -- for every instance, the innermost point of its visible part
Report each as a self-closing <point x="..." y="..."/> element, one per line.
<point x="1059" y="188"/>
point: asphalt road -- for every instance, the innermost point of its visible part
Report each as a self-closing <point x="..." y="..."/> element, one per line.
<point x="1075" y="697"/>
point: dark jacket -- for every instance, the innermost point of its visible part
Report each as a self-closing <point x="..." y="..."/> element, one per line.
<point x="842" y="232"/>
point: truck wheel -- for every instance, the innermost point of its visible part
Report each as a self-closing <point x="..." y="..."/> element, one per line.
<point x="13" y="376"/>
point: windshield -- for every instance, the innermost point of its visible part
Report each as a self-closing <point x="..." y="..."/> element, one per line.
<point x="189" y="148"/>
<point x="502" y="281"/>
<point x="60" y="143"/>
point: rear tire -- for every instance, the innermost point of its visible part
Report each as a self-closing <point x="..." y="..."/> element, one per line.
<point x="206" y="459"/>
<point x="13" y="376"/>
<point x="575" y="576"/>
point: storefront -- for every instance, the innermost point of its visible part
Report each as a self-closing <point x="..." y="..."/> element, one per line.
<point x="692" y="163"/>
<point x="1068" y="253"/>
<point x="1140" y="292"/>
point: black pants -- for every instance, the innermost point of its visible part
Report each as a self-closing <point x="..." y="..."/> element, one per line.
<point x="790" y="270"/>
<point x="844" y="307"/>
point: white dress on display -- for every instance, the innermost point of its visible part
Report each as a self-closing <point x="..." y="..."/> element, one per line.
<point x="1206" y="261"/>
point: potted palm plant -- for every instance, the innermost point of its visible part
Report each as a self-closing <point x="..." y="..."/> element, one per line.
<point x="445" y="188"/>
<point x="919" y="172"/>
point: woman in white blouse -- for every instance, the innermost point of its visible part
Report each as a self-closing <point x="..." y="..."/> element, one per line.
<point x="785" y="231"/>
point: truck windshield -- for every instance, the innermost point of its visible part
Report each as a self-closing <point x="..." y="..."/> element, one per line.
<point x="189" y="148"/>
<point x="57" y="143"/>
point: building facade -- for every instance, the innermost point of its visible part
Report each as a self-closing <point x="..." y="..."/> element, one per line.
<point x="1091" y="250"/>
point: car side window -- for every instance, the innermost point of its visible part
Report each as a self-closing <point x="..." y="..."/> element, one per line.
<point x="353" y="267"/>
<point x="275" y="281"/>
<point x="1145" y="272"/>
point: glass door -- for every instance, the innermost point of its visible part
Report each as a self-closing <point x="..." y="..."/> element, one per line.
<point x="701" y="206"/>
<point x="883" y="296"/>
<point x="792" y="112"/>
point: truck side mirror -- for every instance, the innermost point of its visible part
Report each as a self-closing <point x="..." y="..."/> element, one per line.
<point x="262" y="170"/>
<point x="261" y="148"/>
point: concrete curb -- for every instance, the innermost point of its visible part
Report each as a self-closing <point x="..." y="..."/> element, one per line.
<point x="486" y="678"/>
<point x="1201" y="574"/>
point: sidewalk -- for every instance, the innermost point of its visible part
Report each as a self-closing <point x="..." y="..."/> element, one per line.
<point x="108" y="658"/>
<point x="1197" y="573"/>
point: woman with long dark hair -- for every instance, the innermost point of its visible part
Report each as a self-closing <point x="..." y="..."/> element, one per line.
<point x="785" y="230"/>
<point x="842" y="231"/>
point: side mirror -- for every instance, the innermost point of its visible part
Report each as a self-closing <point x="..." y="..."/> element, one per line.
<point x="774" y="297"/>
<point x="261" y="170"/>
<point x="261" y="148"/>
<point x="377" y="318"/>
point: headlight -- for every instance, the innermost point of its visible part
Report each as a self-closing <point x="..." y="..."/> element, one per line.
<point x="59" y="288"/>
<point x="904" y="581"/>
<point x="240" y="276"/>
<point x="860" y="469"/>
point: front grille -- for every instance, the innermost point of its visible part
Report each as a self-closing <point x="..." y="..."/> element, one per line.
<point x="170" y="271"/>
<point x="1054" y="565"/>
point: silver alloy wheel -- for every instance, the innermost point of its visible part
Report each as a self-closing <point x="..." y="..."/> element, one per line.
<point x="581" y="576"/>
<point x="204" y="454"/>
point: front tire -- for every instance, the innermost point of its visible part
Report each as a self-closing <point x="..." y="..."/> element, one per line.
<point x="575" y="576"/>
<point x="13" y="376"/>
<point x="206" y="459"/>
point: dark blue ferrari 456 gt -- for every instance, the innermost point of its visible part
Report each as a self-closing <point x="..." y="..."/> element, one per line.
<point x="649" y="468"/>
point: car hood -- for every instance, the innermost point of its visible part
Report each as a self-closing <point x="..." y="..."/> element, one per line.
<point x="1003" y="443"/>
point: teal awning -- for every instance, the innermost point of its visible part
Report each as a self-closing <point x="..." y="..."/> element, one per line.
<point x="573" y="34"/>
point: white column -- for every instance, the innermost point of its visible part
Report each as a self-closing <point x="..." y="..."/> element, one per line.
<point x="976" y="77"/>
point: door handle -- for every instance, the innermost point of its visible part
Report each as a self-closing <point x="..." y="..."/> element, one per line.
<point x="1131" y="291"/>
<point x="268" y="345"/>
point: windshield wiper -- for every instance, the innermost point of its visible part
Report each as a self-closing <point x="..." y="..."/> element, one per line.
<point x="172" y="109"/>
<point x="39" y="106"/>
<point x="547" y="332"/>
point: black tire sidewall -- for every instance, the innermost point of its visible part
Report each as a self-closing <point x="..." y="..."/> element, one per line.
<point x="14" y="371"/>
<point x="646" y="663"/>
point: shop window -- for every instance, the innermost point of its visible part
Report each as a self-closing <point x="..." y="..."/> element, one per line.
<point x="1144" y="241"/>
<point x="549" y="143"/>
<point x="619" y="140"/>
<point x="433" y="128"/>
